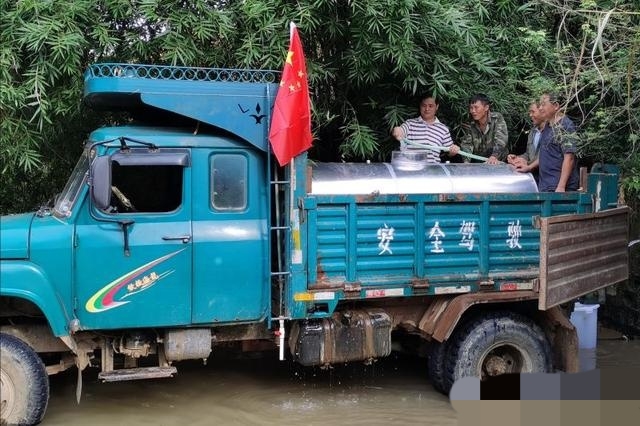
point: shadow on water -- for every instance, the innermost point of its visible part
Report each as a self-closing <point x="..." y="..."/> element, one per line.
<point x="261" y="391"/>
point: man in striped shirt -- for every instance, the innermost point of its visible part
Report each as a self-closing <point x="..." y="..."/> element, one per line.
<point x="426" y="130"/>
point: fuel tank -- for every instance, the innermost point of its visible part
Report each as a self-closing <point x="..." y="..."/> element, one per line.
<point x="403" y="178"/>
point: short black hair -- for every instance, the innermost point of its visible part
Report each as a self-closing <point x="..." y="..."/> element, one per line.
<point x="429" y="95"/>
<point x="480" y="97"/>
<point x="554" y="97"/>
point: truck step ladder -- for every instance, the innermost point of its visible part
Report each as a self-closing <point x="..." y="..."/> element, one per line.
<point x="125" y="374"/>
<point x="280" y="231"/>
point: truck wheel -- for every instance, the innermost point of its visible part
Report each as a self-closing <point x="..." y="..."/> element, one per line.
<point x="497" y="343"/>
<point x="435" y="365"/>
<point x="24" y="383"/>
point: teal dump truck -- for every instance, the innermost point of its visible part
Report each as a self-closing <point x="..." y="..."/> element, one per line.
<point x="178" y="235"/>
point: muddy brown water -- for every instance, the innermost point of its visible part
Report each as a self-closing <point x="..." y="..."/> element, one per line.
<point x="258" y="392"/>
<point x="264" y="391"/>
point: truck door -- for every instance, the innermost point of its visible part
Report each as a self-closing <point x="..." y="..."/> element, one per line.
<point x="230" y="259"/>
<point x="145" y="279"/>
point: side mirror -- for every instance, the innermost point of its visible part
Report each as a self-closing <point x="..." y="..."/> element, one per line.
<point x="101" y="181"/>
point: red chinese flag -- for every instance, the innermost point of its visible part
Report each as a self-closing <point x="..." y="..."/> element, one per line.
<point x="290" y="132"/>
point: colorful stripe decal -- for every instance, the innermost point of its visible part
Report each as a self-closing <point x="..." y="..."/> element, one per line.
<point x="104" y="299"/>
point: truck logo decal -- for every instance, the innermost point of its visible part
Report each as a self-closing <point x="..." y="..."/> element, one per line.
<point x="257" y="116"/>
<point x="135" y="281"/>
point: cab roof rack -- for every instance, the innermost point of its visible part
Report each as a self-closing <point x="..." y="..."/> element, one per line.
<point x="240" y="101"/>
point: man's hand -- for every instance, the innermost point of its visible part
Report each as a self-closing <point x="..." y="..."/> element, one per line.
<point x="492" y="160"/>
<point x="516" y="160"/>
<point x="454" y="150"/>
<point x="397" y="133"/>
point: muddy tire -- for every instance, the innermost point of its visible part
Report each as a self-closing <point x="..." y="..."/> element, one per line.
<point x="24" y="383"/>
<point x="496" y="343"/>
<point x="436" y="365"/>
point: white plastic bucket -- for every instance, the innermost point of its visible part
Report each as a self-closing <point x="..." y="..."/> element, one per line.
<point x="585" y="319"/>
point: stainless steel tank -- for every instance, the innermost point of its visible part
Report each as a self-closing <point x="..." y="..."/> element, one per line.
<point x="401" y="178"/>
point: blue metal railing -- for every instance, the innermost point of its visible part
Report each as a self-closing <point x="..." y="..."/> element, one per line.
<point x="165" y="72"/>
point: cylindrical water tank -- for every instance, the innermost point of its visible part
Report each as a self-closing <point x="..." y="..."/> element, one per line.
<point x="388" y="178"/>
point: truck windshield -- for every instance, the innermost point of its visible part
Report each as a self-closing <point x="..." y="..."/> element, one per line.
<point x="66" y="200"/>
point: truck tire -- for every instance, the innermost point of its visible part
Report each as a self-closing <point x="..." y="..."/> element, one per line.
<point x="24" y="383"/>
<point x="436" y="366"/>
<point x="496" y="343"/>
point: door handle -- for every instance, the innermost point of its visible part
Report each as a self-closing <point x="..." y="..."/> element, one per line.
<point x="185" y="238"/>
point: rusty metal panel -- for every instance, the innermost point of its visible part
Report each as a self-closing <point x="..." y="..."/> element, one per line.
<point x="582" y="253"/>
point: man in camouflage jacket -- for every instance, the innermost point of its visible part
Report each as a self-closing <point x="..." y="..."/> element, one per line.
<point x="487" y="135"/>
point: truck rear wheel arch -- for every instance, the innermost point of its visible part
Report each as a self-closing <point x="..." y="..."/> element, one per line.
<point x="444" y="315"/>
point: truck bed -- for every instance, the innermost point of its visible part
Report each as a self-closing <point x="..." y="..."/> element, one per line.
<point x="380" y="245"/>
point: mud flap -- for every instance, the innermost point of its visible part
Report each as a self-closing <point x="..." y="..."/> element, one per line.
<point x="563" y="338"/>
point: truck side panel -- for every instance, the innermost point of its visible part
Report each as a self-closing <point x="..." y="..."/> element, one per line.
<point x="406" y="245"/>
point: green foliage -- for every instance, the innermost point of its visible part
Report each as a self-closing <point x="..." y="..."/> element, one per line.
<point x="367" y="60"/>
<point x="42" y="49"/>
<point x="596" y="70"/>
<point x="631" y="180"/>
